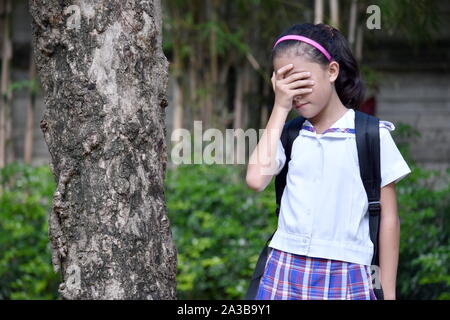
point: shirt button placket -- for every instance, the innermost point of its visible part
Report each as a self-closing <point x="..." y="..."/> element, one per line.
<point x="320" y="170"/>
<point x="306" y="241"/>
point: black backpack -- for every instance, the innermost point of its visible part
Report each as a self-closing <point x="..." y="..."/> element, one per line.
<point x="368" y="145"/>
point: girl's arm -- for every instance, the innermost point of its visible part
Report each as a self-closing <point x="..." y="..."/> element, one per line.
<point x="389" y="240"/>
<point x="262" y="164"/>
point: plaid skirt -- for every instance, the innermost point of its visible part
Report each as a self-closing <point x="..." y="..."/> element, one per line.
<point x="289" y="276"/>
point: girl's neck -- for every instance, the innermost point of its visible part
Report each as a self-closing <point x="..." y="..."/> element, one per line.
<point x="332" y="112"/>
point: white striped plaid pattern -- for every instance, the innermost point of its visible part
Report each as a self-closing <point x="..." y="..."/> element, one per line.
<point x="294" y="277"/>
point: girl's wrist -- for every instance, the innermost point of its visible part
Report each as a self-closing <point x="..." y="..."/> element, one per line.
<point x="281" y="109"/>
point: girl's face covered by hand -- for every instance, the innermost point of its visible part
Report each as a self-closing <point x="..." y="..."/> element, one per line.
<point x="310" y="104"/>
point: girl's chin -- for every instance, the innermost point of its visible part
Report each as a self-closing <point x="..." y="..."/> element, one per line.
<point x="301" y="107"/>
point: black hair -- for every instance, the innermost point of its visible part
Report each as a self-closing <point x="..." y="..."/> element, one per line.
<point x="349" y="85"/>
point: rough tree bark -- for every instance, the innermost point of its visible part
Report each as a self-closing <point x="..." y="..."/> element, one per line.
<point x="105" y="77"/>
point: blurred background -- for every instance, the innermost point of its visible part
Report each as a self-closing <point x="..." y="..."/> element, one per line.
<point x="220" y="69"/>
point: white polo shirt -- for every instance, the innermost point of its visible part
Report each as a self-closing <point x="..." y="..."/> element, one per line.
<point x="324" y="204"/>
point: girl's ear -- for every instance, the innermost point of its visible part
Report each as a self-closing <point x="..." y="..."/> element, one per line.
<point x="333" y="71"/>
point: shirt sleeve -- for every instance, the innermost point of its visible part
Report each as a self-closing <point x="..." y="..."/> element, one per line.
<point x="280" y="157"/>
<point x="393" y="167"/>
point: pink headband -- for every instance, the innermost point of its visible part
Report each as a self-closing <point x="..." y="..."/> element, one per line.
<point x="307" y="40"/>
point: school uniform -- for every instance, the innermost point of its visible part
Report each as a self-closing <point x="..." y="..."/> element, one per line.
<point x="322" y="248"/>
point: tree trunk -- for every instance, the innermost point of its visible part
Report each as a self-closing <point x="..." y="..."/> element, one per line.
<point x="238" y="99"/>
<point x="352" y="24"/>
<point x="318" y="11"/>
<point x="221" y="94"/>
<point x="247" y="89"/>
<point x="178" y="96"/>
<point x="359" y="43"/>
<point x="105" y="77"/>
<point x="193" y="83"/>
<point x="334" y="12"/>
<point x="212" y="72"/>
<point x="177" y="71"/>
<point x="6" y="146"/>
<point x="265" y="107"/>
<point x="178" y="101"/>
<point x="28" y="145"/>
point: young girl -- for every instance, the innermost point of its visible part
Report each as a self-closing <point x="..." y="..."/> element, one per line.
<point x="322" y="247"/>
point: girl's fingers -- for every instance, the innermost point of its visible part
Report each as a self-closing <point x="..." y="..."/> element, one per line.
<point x="300" y="83"/>
<point x="273" y="80"/>
<point x="280" y="72"/>
<point x="302" y="91"/>
<point x="297" y="76"/>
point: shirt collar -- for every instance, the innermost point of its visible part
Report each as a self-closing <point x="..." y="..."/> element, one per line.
<point x="342" y="128"/>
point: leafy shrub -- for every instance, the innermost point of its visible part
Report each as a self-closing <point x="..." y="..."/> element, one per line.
<point x="219" y="225"/>
<point x="424" y="266"/>
<point x="424" y="247"/>
<point x="25" y="264"/>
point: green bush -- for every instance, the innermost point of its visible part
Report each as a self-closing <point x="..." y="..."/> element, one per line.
<point x="25" y="264"/>
<point x="424" y="266"/>
<point x="424" y="247"/>
<point x="219" y="225"/>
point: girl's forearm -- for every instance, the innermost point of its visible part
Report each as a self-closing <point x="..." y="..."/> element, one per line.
<point x="389" y="252"/>
<point x="262" y="160"/>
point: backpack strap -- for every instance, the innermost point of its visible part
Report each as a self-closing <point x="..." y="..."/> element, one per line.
<point x="290" y="131"/>
<point x="368" y="145"/>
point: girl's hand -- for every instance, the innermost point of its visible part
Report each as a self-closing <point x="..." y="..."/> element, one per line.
<point x="287" y="88"/>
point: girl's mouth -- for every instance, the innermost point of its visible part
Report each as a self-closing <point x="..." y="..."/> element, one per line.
<point x="298" y="106"/>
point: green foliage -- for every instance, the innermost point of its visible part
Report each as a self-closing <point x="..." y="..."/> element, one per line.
<point x="416" y="20"/>
<point x="220" y="226"/>
<point x="424" y="266"/>
<point x="25" y="263"/>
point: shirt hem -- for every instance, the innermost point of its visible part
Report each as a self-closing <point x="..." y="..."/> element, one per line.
<point x="398" y="173"/>
<point x="320" y="248"/>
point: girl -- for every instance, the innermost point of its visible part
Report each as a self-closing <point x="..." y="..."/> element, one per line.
<point x="322" y="247"/>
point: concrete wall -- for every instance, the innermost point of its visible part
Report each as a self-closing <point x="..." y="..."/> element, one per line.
<point x="423" y="101"/>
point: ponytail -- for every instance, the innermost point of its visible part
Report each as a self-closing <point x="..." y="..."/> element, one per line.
<point x="349" y="85"/>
